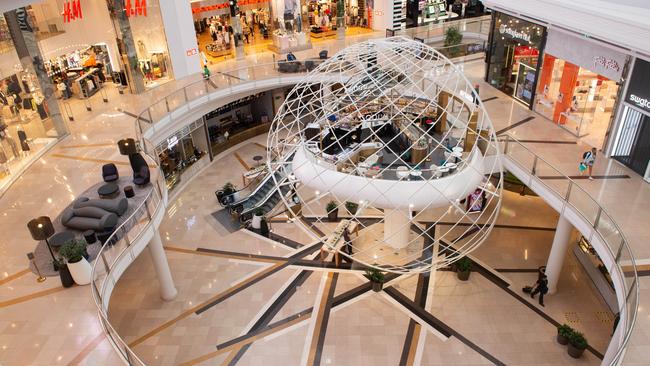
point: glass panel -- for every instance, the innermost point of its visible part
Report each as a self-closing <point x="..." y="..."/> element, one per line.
<point x="582" y="201"/>
<point x="196" y="90"/>
<point x="521" y="155"/>
<point x="158" y="110"/>
<point x="176" y="99"/>
<point x="552" y="178"/>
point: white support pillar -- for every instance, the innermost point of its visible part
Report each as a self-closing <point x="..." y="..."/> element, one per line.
<point x="397" y="228"/>
<point x="181" y="37"/>
<point x="167" y="288"/>
<point x="558" y="253"/>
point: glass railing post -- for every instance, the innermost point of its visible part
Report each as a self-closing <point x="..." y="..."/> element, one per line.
<point x="568" y="192"/>
<point x="597" y="219"/>
<point x="185" y="93"/>
<point x="167" y="104"/>
<point x="534" y="168"/>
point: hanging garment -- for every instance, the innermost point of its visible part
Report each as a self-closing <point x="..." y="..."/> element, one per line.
<point x="27" y="103"/>
<point x="22" y="136"/>
<point x="41" y="111"/>
<point x="3" y="98"/>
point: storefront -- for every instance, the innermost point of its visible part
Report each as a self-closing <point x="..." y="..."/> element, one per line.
<point x="183" y="154"/>
<point x="514" y="55"/>
<point x="80" y="73"/>
<point x="578" y="85"/>
<point x="423" y="12"/>
<point x="323" y="15"/>
<point x="631" y="144"/>
<point x="289" y="34"/>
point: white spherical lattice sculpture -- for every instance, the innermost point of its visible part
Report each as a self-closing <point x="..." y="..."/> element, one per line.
<point x="392" y="127"/>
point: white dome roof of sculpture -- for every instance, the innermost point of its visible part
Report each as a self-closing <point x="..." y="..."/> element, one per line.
<point x="391" y="124"/>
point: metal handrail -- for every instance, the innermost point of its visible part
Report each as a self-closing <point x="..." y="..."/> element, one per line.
<point x="628" y="309"/>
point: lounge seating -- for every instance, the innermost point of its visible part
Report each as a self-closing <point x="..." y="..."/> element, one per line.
<point x="289" y="66"/>
<point x="322" y="54"/>
<point x="141" y="174"/>
<point x="109" y="172"/>
<point x="88" y="218"/>
<point x="117" y="206"/>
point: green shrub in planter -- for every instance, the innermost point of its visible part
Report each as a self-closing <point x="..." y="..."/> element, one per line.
<point x="577" y="344"/>
<point x="376" y="277"/>
<point x="259" y="212"/>
<point x="564" y="332"/>
<point x="73" y="251"/>
<point x="351" y="207"/>
<point x="229" y="188"/>
<point x="332" y="211"/>
<point x="463" y="268"/>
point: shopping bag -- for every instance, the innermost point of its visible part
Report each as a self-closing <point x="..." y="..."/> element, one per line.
<point x="582" y="167"/>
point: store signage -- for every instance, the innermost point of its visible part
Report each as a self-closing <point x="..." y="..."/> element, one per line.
<point x="134" y="8"/>
<point x="71" y="11"/>
<point x="606" y="63"/>
<point x="504" y="29"/>
<point x="203" y="9"/>
<point x="585" y="53"/>
<point x="191" y="52"/>
<point x="638" y="88"/>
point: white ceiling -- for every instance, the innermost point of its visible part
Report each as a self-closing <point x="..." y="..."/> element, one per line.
<point x="626" y="25"/>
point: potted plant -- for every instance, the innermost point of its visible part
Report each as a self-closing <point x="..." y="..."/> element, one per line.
<point x="264" y="227"/>
<point x="563" y="334"/>
<point x="453" y="37"/>
<point x="376" y="277"/>
<point x="463" y="268"/>
<point x="64" y="274"/>
<point x="257" y="218"/>
<point x="73" y="252"/>
<point x="225" y="191"/>
<point x="577" y="344"/>
<point x="351" y="207"/>
<point x="332" y="211"/>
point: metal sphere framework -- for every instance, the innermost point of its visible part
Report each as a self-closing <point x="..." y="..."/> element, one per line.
<point x="393" y="135"/>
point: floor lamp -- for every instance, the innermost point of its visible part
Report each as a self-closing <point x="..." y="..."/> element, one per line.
<point x="41" y="229"/>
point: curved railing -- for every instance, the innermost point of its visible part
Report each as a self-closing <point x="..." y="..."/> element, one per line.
<point x="108" y="265"/>
<point x="568" y="191"/>
<point x="104" y="273"/>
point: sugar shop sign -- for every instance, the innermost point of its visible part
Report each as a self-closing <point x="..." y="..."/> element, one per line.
<point x="504" y="29"/>
<point x="606" y="63"/>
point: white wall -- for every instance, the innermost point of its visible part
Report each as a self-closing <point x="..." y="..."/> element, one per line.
<point x="382" y="15"/>
<point x="181" y="38"/>
<point x="95" y="27"/>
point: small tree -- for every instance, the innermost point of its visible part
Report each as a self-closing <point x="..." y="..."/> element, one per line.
<point x="453" y="38"/>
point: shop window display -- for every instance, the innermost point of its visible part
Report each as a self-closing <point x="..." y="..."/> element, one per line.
<point x="180" y="152"/>
<point x="288" y="33"/>
<point x="80" y="73"/>
<point x="514" y="56"/>
<point x="576" y="98"/>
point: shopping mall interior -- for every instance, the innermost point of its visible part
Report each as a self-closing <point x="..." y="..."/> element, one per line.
<point x="322" y="182"/>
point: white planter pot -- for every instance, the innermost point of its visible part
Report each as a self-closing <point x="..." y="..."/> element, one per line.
<point x="257" y="222"/>
<point x="80" y="271"/>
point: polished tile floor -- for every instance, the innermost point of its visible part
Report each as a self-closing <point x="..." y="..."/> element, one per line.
<point x="74" y="336"/>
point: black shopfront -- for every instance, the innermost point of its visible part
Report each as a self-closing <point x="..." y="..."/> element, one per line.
<point x="514" y="56"/>
<point x="632" y="143"/>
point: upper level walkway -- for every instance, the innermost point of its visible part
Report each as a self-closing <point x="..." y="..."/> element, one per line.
<point x="73" y="335"/>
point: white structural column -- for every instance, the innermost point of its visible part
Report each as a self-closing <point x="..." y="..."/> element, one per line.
<point x="181" y="37"/>
<point x="397" y="227"/>
<point x="558" y="252"/>
<point x="167" y="287"/>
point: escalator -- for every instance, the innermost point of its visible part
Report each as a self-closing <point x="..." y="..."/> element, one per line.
<point x="264" y="197"/>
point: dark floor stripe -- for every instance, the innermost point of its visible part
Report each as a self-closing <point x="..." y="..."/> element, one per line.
<point x="301" y="253"/>
<point x="229" y="75"/>
<point x="516" y="124"/>
<point x="322" y="332"/>
<point x="549" y="142"/>
<point x="438" y="324"/>
<point x="133" y="115"/>
<point x="243" y="256"/>
<point x="273" y="310"/>
<point x="517" y="270"/>
<point x="312" y="226"/>
<point x="575" y="177"/>
<point x="336" y="301"/>
<point x="497" y="226"/>
<point x="212" y="84"/>
<point x="489" y="99"/>
<point x="476" y="267"/>
<point x="285" y="241"/>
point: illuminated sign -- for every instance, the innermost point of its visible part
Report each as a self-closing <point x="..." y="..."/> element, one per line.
<point x="71" y="11"/>
<point x="134" y="8"/>
<point x="607" y="63"/>
<point x="504" y="29"/>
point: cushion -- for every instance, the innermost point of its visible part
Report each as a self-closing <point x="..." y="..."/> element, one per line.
<point x="115" y="205"/>
<point x="94" y="212"/>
